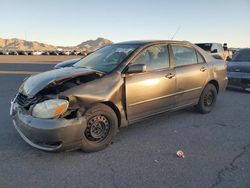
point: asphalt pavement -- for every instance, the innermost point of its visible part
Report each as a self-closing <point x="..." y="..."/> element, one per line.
<point x="216" y="147"/>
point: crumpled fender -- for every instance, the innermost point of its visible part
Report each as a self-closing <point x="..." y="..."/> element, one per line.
<point x="109" y="88"/>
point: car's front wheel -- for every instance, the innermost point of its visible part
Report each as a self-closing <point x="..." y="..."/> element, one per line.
<point x="207" y="99"/>
<point x="102" y="126"/>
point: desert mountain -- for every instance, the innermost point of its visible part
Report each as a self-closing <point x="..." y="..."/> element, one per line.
<point x="89" y="45"/>
<point x="19" y="44"/>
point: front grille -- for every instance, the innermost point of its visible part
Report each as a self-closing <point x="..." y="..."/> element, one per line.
<point x="246" y="82"/>
<point x="25" y="101"/>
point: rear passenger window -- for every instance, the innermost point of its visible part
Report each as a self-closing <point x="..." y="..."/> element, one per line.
<point x="154" y="57"/>
<point x="184" y="55"/>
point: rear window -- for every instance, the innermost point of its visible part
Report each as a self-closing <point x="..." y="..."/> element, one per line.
<point x="205" y="46"/>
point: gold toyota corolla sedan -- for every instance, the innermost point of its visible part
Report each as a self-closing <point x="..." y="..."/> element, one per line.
<point x="83" y="106"/>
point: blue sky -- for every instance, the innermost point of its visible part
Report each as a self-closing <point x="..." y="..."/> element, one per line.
<point x="64" y="22"/>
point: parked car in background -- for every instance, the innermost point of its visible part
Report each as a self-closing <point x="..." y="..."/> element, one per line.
<point x="13" y="52"/>
<point x="216" y="50"/>
<point x="53" y="53"/>
<point x="83" y="106"/>
<point x="75" y="53"/>
<point x="70" y="62"/>
<point x="45" y="53"/>
<point x="60" y="52"/>
<point x="6" y="52"/>
<point x="29" y="52"/>
<point x="67" y="53"/>
<point x="67" y="63"/>
<point x="239" y="70"/>
<point x="83" y="53"/>
<point x="37" y="53"/>
<point x="233" y="50"/>
<point x="20" y="52"/>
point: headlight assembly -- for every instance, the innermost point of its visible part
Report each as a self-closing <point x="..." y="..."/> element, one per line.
<point x="50" y="108"/>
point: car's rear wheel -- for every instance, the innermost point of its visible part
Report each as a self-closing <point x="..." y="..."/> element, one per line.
<point x="207" y="99"/>
<point x="102" y="126"/>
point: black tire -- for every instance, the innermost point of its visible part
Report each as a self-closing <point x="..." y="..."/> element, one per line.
<point x="207" y="99"/>
<point x="102" y="126"/>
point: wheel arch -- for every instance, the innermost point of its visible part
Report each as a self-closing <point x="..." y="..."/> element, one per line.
<point x="115" y="109"/>
<point x="216" y="84"/>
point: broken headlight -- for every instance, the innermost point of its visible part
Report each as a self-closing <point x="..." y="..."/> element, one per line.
<point x="50" y="108"/>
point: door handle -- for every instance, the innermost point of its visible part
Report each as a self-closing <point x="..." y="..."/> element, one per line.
<point x="203" y="69"/>
<point x="170" y="75"/>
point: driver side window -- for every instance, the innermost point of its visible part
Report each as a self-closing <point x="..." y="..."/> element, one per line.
<point x="154" y="57"/>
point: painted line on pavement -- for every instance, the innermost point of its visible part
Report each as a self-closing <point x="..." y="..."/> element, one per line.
<point x="33" y="63"/>
<point x="18" y="72"/>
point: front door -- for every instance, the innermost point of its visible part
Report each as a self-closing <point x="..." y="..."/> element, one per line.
<point x="152" y="91"/>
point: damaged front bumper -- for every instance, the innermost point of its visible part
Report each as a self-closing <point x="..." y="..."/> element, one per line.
<point x="238" y="80"/>
<point x="48" y="134"/>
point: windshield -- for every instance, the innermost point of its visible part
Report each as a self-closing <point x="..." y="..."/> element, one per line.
<point x="205" y="46"/>
<point x="242" y="56"/>
<point x="107" y="58"/>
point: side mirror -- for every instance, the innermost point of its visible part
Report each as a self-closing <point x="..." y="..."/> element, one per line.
<point x="214" y="51"/>
<point x="137" y="68"/>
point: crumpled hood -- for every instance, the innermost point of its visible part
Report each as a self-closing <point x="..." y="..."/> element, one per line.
<point x="238" y="67"/>
<point x="38" y="82"/>
<point x="67" y="63"/>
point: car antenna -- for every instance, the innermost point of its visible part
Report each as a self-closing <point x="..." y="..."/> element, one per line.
<point x="177" y="30"/>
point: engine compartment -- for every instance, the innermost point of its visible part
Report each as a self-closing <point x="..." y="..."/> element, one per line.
<point x="58" y="86"/>
<point x="54" y="90"/>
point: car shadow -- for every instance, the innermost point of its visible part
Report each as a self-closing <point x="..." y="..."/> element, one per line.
<point x="237" y="90"/>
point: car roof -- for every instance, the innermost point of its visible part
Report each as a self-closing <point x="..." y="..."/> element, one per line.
<point x="208" y="43"/>
<point x="144" y="42"/>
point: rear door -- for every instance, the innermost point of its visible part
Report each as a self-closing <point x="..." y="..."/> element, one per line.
<point x="152" y="91"/>
<point x="191" y="74"/>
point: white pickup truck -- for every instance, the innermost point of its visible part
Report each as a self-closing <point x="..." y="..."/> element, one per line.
<point x="217" y="50"/>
